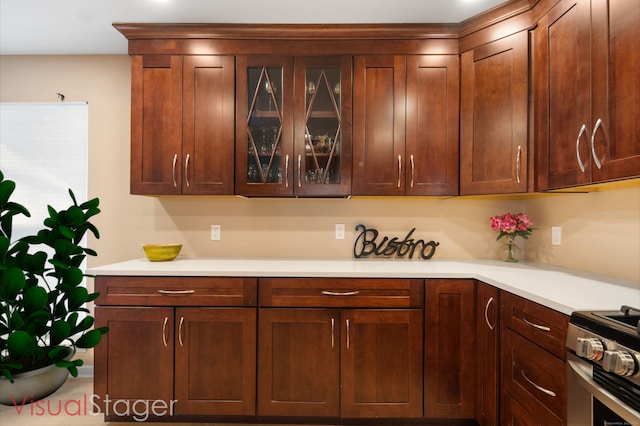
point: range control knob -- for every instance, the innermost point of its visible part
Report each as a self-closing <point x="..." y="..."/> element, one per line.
<point x="619" y="362"/>
<point x="590" y="348"/>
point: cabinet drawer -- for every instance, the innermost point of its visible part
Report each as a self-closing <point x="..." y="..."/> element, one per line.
<point x="513" y="414"/>
<point x="176" y="291"/>
<point x="534" y="378"/>
<point x="544" y="326"/>
<point x="342" y="292"/>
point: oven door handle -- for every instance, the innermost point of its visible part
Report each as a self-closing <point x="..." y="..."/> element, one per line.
<point x="580" y="371"/>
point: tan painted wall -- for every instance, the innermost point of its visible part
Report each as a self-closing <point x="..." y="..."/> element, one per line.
<point x="601" y="231"/>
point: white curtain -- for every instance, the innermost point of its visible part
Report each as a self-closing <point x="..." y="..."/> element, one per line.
<point x="43" y="148"/>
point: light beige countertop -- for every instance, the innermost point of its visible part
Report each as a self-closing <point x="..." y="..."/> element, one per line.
<point x="564" y="290"/>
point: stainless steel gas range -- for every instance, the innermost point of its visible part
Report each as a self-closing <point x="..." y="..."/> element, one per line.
<point x="603" y="373"/>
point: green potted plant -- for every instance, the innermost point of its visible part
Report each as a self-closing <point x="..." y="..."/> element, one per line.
<point x="43" y="314"/>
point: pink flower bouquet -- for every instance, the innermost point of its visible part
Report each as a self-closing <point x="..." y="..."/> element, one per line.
<point x="512" y="225"/>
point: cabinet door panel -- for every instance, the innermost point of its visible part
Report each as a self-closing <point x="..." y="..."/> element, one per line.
<point x="264" y="125"/>
<point x="381" y="363"/>
<point x="487" y="320"/>
<point x="494" y="117"/>
<point x="298" y="362"/>
<point x="379" y="125"/>
<point x="450" y="368"/>
<point x="137" y="349"/>
<point x="616" y="88"/>
<point x="156" y="124"/>
<point x="562" y="98"/>
<point x="208" y="125"/>
<point x="323" y="115"/>
<point x="215" y="361"/>
<point x="433" y="98"/>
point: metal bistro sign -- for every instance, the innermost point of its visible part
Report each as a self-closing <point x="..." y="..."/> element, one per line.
<point x="367" y="244"/>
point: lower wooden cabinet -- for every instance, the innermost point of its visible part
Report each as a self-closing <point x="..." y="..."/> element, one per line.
<point x="217" y="348"/>
<point x="340" y="363"/>
<point x="162" y="346"/>
<point x="336" y="359"/>
<point x="176" y="355"/>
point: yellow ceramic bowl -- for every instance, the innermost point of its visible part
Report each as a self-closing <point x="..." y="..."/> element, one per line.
<point x="161" y="252"/>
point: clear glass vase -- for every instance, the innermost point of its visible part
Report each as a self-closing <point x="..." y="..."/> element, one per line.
<point x="510" y="252"/>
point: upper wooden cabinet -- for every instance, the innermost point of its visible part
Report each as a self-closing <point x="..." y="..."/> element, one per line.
<point x="494" y="117"/>
<point x="405" y="125"/>
<point x="587" y="92"/>
<point x="182" y="124"/>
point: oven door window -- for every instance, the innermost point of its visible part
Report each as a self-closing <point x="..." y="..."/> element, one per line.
<point x="603" y="416"/>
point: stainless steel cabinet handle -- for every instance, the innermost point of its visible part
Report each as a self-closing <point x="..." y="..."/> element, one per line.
<point x="399" y="169"/>
<point x="340" y="293"/>
<point x="186" y="171"/>
<point x="180" y="331"/>
<point x="164" y="331"/>
<point x="486" y="312"/>
<point x="539" y="327"/>
<point x="333" y="331"/>
<point x="348" y="343"/>
<point x="583" y="129"/>
<point x="176" y="291"/>
<point x="299" y="171"/>
<point x="593" y="148"/>
<point x="286" y="171"/>
<point x="518" y="164"/>
<point x="413" y="168"/>
<point x="540" y="388"/>
<point x="173" y="170"/>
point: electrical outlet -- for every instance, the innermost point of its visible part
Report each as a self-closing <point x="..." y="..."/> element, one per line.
<point x="556" y="235"/>
<point x="215" y="232"/>
<point x="339" y="231"/>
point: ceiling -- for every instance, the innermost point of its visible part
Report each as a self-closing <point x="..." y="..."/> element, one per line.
<point x="61" y="27"/>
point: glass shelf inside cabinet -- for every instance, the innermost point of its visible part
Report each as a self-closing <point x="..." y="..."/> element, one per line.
<point x="322" y="126"/>
<point x="264" y="125"/>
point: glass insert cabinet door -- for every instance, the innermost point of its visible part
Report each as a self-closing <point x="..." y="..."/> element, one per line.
<point x="264" y="144"/>
<point x="294" y="126"/>
<point x="323" y="126"/>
